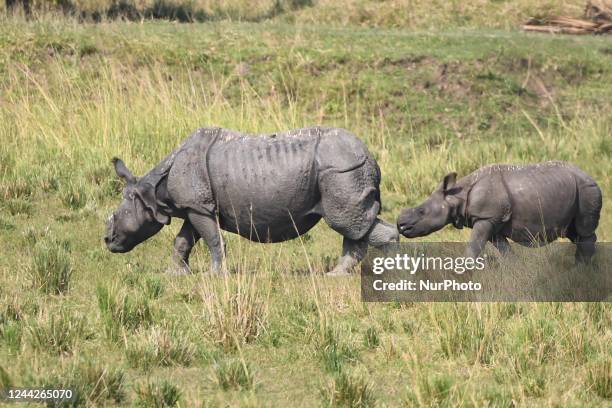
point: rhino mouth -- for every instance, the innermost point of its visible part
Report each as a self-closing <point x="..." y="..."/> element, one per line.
<point x="115" y="247"/>
<point x="111" y="236"/>
<point x="410" y="231"/>
<point x="405" y="228"/>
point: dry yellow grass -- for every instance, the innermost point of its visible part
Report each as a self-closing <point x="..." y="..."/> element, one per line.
<point x="410" y="14"/>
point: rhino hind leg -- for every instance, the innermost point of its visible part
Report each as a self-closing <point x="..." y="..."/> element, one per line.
<point x="183" y="244"/>
<point x="586" y="222"/>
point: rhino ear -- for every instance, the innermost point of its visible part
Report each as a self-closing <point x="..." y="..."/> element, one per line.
<point x="146" y="193"/>
<point x="449" y="182"/>
<point x="122" y="171"/>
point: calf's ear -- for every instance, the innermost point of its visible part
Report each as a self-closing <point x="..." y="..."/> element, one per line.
<point x="449" y="182"/>
<point x="122" y="171"/>
<point x="146" y="193"/>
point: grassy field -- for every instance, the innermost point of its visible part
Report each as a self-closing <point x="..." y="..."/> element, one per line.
<point x="277" y="332"/>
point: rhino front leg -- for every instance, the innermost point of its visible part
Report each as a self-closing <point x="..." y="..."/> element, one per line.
<point x="183" y="244"/>
<point x="353" y="251"/>
<point x="482" y="231"/>
<point x="380" y="235"/>
<point x="207" y="227"/>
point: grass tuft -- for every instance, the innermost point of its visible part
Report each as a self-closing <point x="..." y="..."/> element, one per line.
<point x="235" y="308"/>
<point x="5" y="379"/>
<point x="233" y="374"/>
<point x="159" y="347"/>
<point x="73" y="195"/>
<point x="462" y="332"/>
<point x="11" y="334"/>
<point x="371" y="339"/>
<point x="157" y="394"/>
<point x="153" y="287"/>
<point x="431" y="391"/>
<point x="57" y="332"/>
<point x="51" y="267"/>
<point x="17" y="206"/>
<point x="120" y="310"/>
<point x="95" y="384"/>
<point x="599" y="379"/>
<point x="334" y="353"/>
<point x="348" y="390"/>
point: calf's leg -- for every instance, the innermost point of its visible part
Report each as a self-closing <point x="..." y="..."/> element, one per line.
<point x="207" y="227"/>
<point x="183" y="244"/>
<point x="586" y="221"/>
<point x="585" y="248"/>
<point x="501" y="243"/>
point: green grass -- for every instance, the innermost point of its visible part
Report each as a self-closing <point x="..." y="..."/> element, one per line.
<point x="73" y="95"/>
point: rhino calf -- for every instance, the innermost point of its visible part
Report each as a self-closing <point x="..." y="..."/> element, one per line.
<point x="267" y="188"/>
<point x="531" y="204"/>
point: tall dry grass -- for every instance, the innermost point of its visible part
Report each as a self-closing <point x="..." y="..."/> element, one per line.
<point x="409" y="14"/>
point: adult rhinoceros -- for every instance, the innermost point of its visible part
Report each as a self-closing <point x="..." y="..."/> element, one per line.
<point x="267" y="188"/>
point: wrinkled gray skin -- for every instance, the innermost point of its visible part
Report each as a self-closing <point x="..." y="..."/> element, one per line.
<point x="532" y="205"/>
<point x="267" y="188"/>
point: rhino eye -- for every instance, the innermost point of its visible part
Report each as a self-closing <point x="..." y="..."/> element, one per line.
<point x="421" y="211"/>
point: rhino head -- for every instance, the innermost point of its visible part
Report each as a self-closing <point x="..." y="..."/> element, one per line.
<point x="137" y="218"/>
<point x="433" y="214"/>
